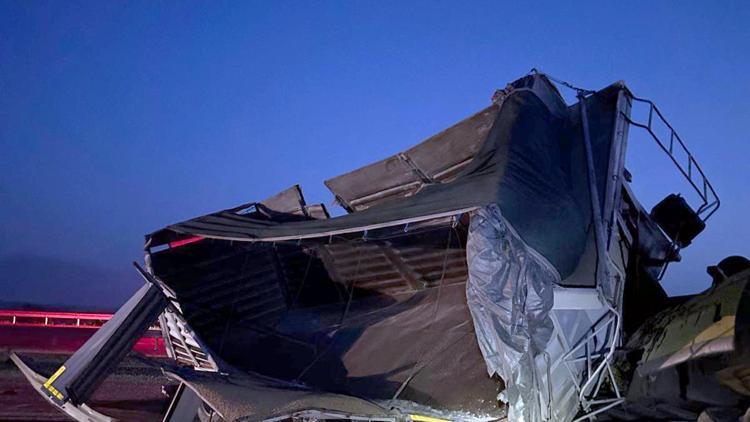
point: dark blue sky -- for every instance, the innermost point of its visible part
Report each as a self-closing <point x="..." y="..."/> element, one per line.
<point x="117" y="118"/>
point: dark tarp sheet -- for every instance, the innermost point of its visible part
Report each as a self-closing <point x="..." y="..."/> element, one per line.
<point x="252" y="397"/>
<point x="418" y="347"/>
<point x="524" y="166"/>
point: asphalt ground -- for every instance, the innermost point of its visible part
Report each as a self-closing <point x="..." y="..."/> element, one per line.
<point x="134" y="392"/>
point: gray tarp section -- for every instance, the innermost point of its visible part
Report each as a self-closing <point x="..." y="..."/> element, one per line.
<point x="523" y="165"/>
<point x="509" y="293"/>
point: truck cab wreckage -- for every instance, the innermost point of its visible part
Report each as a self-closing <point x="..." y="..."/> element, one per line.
<point x="501" y="269"/>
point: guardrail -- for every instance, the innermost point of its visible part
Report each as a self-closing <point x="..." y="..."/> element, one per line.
<point x="56" y="319"/>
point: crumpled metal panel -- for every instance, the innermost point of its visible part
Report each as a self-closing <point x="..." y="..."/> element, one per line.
<point x="510" y="296"/>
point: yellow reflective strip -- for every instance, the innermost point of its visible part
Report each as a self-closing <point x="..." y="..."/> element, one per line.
<point x="55" y="393"/>
<point x="421" y="418"/>
<point x="54" y="376"/>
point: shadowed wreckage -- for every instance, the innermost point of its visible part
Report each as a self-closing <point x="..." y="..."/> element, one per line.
<point x="500" y="269"/>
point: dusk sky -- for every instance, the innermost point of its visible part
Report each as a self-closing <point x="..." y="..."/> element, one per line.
<point x="117" y="118"/>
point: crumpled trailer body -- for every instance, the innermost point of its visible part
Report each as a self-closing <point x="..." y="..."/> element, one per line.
<point x="488" y="272"/>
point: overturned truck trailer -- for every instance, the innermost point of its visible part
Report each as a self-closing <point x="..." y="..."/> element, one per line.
<point x="500" y="269"/>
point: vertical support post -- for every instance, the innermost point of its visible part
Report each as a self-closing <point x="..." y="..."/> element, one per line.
<point x="602" y="267"/>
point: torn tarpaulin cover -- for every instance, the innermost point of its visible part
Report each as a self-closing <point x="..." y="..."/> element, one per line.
<point x="509" y="293"/>
<point x="527" y="174"/>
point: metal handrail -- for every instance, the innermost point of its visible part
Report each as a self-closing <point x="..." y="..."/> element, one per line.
<point x="692" y="170"/>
